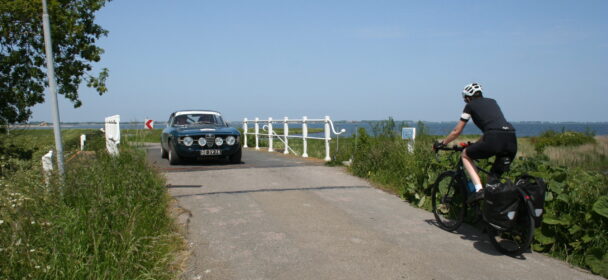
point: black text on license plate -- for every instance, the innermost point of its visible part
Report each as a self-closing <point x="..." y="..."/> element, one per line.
<point x="211" y="152"/>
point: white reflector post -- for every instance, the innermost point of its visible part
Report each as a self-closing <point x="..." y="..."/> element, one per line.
<point x="112" y="129"/>
<point x="83" y="139"/>
<point x="47" y="166"/>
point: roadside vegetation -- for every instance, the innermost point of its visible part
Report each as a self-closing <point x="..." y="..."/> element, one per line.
<point x="141" y="135"/>
<point x="575" y="166"/>
<point x="108" y="220"/>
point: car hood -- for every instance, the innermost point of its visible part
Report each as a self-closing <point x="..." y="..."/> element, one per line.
<point x="207" y="129"/>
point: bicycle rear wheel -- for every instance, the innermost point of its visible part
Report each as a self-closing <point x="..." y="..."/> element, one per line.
<point x="517" y="239"/>
<point x="448" y="201"/>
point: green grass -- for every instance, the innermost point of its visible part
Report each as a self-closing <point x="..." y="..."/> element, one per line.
<point x="108" y="220"/>
<point x="141" y="135"/>
<point x="23" y="148"/>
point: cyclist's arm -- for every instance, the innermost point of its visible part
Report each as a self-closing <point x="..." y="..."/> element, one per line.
<point x="455" y="132"/>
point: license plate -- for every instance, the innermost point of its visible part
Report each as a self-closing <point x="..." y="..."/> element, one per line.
<point x="211" y="152"/>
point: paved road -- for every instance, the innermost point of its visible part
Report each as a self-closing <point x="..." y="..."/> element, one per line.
<point x="278" y="217"/>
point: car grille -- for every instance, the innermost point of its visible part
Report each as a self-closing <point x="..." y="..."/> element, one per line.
<point x="210" y="140"/>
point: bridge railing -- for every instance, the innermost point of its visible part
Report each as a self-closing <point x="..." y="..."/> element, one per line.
<point x="271" y="134"/>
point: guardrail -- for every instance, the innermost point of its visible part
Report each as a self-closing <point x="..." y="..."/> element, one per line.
<point x="271" y="134"/>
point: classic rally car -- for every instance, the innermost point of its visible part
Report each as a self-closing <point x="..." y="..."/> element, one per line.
<point x="199" y="134"/>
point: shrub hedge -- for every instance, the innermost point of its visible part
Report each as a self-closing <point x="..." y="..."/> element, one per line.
<point x="567" y="138"/>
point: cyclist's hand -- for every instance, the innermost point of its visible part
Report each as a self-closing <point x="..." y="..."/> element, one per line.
<point x="438" y="145"/>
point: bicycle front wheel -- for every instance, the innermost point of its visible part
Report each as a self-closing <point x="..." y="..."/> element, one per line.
<point x="517" y="239"/>
<point x="448" y="201"/>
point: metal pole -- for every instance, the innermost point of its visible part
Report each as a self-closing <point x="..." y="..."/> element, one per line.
<point x="52" y="86"/>
<point x="327" y="138"/>
<point x="270" y="148"/>
<point x="304" y="136"/>
<point x="245" y="128"/>
<point x="256" y="129"/>
<point x="285" y="134"/>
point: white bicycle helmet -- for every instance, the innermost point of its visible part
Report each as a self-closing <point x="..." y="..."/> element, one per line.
<point x="471" y="89"/>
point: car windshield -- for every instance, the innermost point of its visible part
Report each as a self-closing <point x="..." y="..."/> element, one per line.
<point x="198" y="119"/>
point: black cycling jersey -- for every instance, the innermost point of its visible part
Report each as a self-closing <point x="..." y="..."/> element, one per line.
<point x="486" y="115"/>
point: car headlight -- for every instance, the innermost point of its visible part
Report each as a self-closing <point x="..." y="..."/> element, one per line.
<point x="219" y="141"/>
<point x="230" y="140"/>
<point x="202" y="141"/>
<point x="188" y="141"/>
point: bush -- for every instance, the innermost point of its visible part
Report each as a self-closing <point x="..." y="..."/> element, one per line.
<point x="568" y="138"/>
<point x="575" y="224"/>
<point x="385" y="159"/>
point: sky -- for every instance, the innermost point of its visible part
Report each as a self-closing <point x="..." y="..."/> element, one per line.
<point x="350" y="60"/>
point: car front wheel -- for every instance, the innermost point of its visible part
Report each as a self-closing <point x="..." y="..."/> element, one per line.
<point x="173" y="157"/>
<point x="163" y="152"/>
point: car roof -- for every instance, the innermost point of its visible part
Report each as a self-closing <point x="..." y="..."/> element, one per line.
<point x="188" y="112"/>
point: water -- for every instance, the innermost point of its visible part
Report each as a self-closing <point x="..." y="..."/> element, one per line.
<point x="434" y="128"/>
<point x="524" y="129"/>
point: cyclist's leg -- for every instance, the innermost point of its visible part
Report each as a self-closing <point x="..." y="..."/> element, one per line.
<point x="504" y="158"/>
<point x="469" y="166"/>
<point x="478" y="150"/>
<point x="501" y="164"/>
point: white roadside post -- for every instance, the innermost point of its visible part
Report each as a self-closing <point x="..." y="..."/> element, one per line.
<point x="112" y="129"/>
<point x="47" y="166"/>
<point x="256" y="129"/>
<point x="270" y="149"/>
<point x="245" y="128"/>
<point x="327" y="138"/>
<point x="304" y="136"/>
<point x="83" y="138"/>
<point x="285" y="134"/>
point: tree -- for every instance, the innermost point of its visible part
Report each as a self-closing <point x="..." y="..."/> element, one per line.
<point x="22" y="57"/>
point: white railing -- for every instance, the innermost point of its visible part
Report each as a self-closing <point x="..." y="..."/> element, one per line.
<point x="270" y="134"/>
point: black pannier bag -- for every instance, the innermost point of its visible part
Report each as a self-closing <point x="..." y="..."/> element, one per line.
<point x="501" y="201"/>
<point x="536" y="188"/>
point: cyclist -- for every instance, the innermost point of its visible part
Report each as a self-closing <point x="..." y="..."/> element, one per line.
<point x="498" y="137"/>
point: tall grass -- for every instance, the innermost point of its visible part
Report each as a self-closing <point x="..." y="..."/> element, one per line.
<point x="108" y="220"/>
<point x="589" y="156"/>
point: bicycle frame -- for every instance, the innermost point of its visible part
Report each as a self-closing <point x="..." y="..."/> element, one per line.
<point x="519" y="234"/>
<point x="460" y="172"/>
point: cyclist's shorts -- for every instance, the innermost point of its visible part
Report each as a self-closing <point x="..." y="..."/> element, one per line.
<point x="502" y="143"/>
